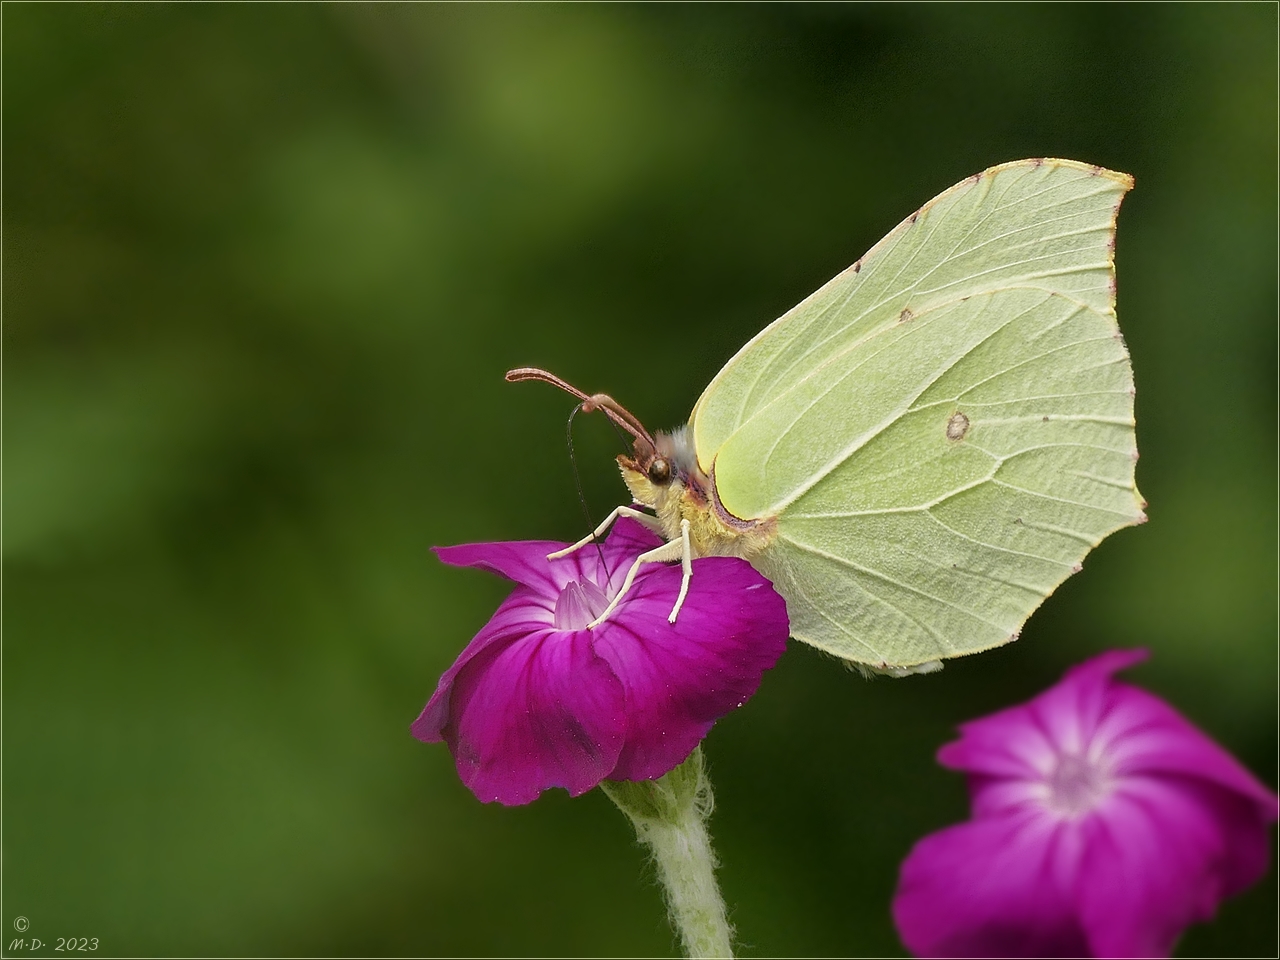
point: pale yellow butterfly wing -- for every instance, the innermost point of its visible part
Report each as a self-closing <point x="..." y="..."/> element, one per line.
<point x="945" y="429"/>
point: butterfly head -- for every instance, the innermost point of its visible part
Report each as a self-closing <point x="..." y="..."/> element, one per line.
<point x="664" y="467"/>
<point x="665" y="475"/>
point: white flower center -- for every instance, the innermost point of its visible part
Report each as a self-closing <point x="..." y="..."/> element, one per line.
<point x="1077" y="784"/>
<point x="580" y="602"/>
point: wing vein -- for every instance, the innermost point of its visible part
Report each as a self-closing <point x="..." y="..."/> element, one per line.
<point x="875" y="431"/>
<point x="950" y="401"/>
<point x="885" y="578"/>
<point x="916" y="508"/>
<point x="1036" y="359"/>
<point x="993" y="546"/>
<point x="1065" y="500"/>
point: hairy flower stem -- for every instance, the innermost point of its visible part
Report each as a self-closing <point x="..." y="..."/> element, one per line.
<point x="670" y="816"/>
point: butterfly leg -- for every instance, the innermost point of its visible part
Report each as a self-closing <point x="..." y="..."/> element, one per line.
<point x="650" y="522"/>
<point x="668" y="551"/>
<point x="686" y="561"/>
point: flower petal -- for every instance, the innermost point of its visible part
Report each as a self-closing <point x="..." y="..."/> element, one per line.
<point x="1105" y="664"/>
<point x="521" y="613"/>
<point x="1009" y="743"/>
<point x="1071" y="710"/>
<point x="997" y="887"/>
<point x="628" y="538"/>
<point x="1026" y="740"/>
<point x="995" y="796"/>
<point x="539" y="711"/>
<point x="680" y="678"/>
<point x="1143" y="734"/>
<point x="1151" y="869"/>
<point x="524" y="561"/>
<point x="528" y="706"/>
<point x="1153" y="824"/>
<point x="532" y="607"/>
<point x="1246" y="835"/>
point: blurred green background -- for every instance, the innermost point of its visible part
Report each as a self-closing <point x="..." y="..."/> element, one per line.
<point x="264" y="267"/>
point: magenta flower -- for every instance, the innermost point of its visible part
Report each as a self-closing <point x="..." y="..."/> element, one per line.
<point x="537" y="700"/>
<point x="1103" y="824"/>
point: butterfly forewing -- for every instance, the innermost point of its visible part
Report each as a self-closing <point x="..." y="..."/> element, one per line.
<point x="1043" y="223"/>
<point x="944" y="434"/>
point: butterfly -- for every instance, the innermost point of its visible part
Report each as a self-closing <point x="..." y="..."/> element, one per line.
<point x="921" y="451"/>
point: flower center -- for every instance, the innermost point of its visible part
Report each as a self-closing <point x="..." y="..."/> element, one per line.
<point x="580" y="602"/>
<point x="1076" y="785"/>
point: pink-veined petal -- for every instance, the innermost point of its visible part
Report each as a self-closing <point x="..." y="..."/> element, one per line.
<point x="1151" y="869"/>
<point x="1152" y="825"/>
<point x="523" y="612"/>
<point x="530" y="705"/>
<point x="680" y="678"/>
<point x="1008" y="743"/>
<point x="995" y="796"/>
<point x="524" y="561"/>
<point x="541" y="711"/>
<point x="1144" y="735"/>
<point x="996" y="887"/>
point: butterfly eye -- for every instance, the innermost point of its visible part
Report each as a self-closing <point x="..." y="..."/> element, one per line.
<point x="660" y="471"/>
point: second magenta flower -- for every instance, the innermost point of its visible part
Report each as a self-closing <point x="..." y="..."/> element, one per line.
<point x="1103" y="825"/>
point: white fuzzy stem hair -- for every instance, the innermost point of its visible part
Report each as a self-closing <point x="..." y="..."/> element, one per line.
<point x="670" y="816"/>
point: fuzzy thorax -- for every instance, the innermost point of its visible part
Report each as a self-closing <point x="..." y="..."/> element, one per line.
<point x="689" y="494"/>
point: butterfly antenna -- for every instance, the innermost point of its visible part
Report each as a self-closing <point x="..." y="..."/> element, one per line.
<point x="620" y="415"/>
<point x="582" y="498"/>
